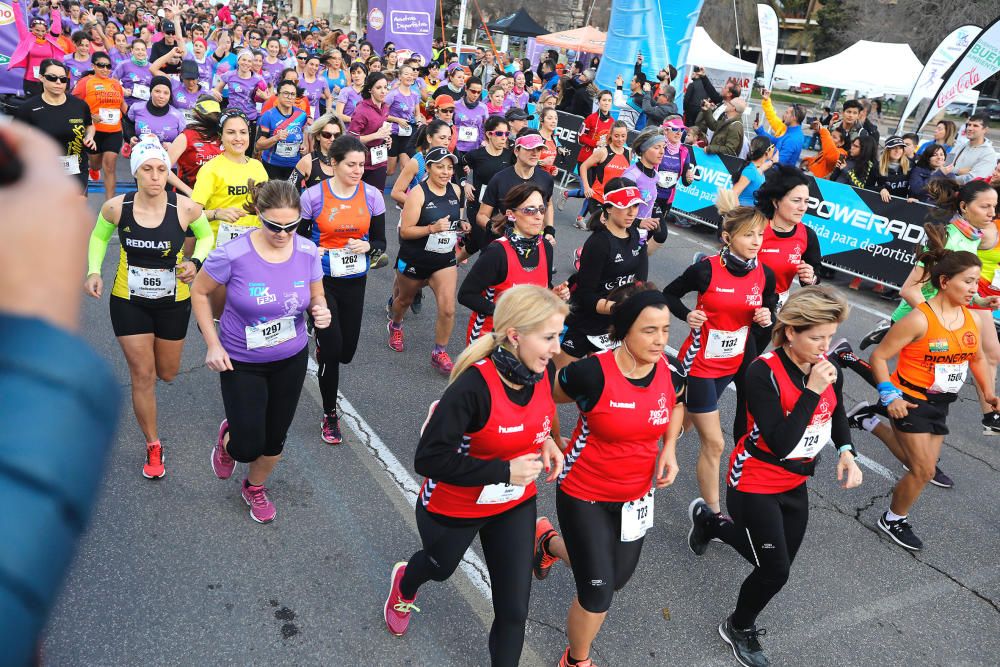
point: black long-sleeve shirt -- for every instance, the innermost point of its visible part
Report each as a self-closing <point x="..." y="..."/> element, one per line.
<point x="783" y="432"/>
<point x="465" y="408"/>
<point x="606" y="262"/>
<point x="697" y="278"/>
<point x="490" y="269"/>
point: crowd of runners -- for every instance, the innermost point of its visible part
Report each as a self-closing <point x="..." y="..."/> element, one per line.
<point x="266" y="155"/>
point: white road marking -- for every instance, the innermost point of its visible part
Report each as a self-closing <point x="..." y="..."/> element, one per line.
<point x="874" y="466"/>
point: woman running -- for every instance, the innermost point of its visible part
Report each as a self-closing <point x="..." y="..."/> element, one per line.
<point x="281" y="134"/>
<point x="520" y="256"/>
<point x="630" y="400"/>
<point x="403" y="101"/>
<point x="370" y="123"/>
<point x="221" y="186"/>
<point x="196" y="145"/>
<point x="435" y="134"/>
<point x="271" y="276"/>
<point x="243" y="89"/>
<point x="314" y="87"/>
<point x="150" y="299"/>
<point x="488" y="487"/>
<point x="481" y="165"/>
<point x="596" y="127"/>
<point x="613" y="256"/>
<point x="610" y="159"/>
<point x="428" y="233"/>
<point x="676" y="166"/>
<point x="350" y="96"/>
<point x="796" y="407"/>
<point x="157" y="116"/>
<point x="548" y="121"/>
<point x="106" y="99"/>
<point x="318" y="165"/>
<point x="735" y="295"/>
<point x="937" y="343"/>
<point x="347" y="219"/>
<point x="649" y="147"/>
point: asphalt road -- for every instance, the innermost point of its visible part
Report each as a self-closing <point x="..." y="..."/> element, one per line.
<point x="174" y="572"/>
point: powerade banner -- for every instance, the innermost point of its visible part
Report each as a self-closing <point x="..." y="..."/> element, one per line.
<point x="406" y="23"/>
<point x="10" y="80"/>
<point x="858" y="232"/>
<point x="568" y="133"/>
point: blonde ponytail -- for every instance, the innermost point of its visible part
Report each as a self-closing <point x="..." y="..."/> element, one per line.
<point x="524" y="308"/>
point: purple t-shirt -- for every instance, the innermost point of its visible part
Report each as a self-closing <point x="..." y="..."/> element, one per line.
<point x="242" y="92"/>
<point x="206" y="69"/>
<point x="132" y="75"/>
<point x="185" y="100"/>
<point x="402" y="106"/>
<point x="165" y="127"/>
<point x="314" y="93"/>
<point x="351" y="99"/>
<point x="513" y="99"/>
<point x="272" y="71"/>
<point x="647" y="187"/>
<point x="117" y="57"/>
<point x="469" y="125"/>
<point x="76" y="68"/>
<point x="258" y="291"/>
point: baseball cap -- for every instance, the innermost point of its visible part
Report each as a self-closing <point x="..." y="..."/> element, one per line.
<point x="437" y="154"/>
<point x="624" y="197"/>
<point x="517" y="113"/>
<point x="168" y="28"/>
<point x="189" y="69"/>
<point x="445" y="102"/>
<point x="529" y="141"/>
<point x="894" y="142"/>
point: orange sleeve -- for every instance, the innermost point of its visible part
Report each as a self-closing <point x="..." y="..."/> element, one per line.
<point x="829" y="150"/>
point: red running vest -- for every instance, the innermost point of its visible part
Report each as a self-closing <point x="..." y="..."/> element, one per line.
<point x="783" y="256"/>
<point x="729" y="302"/>
<point x="510" y="431"/>
<point x="755" y="476"/>
<point x="479" y="323"/>
<point x="612" y="454"/>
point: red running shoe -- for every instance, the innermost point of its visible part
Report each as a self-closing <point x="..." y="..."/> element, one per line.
<point x="153" y="468"/>
<point x="543" y="560"/>
<point x="397" y="608"/>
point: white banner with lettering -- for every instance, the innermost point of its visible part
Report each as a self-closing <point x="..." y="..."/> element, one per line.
<point x="768" y="21"/>
<point x="980" y="61"/>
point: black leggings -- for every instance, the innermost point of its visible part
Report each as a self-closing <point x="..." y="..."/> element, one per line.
<point x="864" y="370"/>
<point x="757" y="342"/>
<point x="336" y="344"/>
<point x="767" y="529"/>
<point x="260" y="401"/>
<point x="508" y="541"/>
<point x="602" y="563"/>
<point x="376" y="177"/>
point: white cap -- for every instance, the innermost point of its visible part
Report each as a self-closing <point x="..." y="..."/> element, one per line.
<point x="148" y="148"/>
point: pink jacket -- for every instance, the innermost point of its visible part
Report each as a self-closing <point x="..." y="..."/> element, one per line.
<point x="20" y="56"/>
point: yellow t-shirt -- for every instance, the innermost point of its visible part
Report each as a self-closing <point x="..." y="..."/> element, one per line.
<point x="222" y="183"/>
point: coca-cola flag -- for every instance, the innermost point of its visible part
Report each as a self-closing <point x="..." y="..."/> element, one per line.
<point x="979" y="62"/>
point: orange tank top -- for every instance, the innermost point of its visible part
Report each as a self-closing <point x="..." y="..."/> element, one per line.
<point x="342" y="219"/>
<point x="935" y="366"/>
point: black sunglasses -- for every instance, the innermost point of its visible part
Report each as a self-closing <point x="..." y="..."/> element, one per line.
<point x="53" y="78"/>
<point x="102" y="65"/>
<point x="276" y="228"/>
<point x="302" y="57"/>
<point x="328" y="135"/>
<point x="446" y="111"/>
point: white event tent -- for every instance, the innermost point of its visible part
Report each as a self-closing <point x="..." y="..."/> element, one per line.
<point x="706" y="53"/>
<point x="872" y="68"/>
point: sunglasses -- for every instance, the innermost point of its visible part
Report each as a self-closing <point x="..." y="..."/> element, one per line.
<point x="53" y="78"/>
<point x="102" y="65"/>
<point x="446" y="111"/>
<point x="533" y="210"/>
<point x="302" y="58"/>
<point x="499" y="133"/>
<point x="276" y="228"/>
<point x="328" y="135"/>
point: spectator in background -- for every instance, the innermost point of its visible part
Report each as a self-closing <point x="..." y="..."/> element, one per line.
<point x="976" y="159"/>
<point x="730" y="91"/>
<point x="851" y="123"/>
<point x="727" y="133"/>
<point x="657" y="110"/>
<point x="911" y="140"/>
<point x="824" y="121"/>
<point x="928" y="167"/>
<point x="893" y="178"/>
<point x="831" y="151"/>
<point x="699" y="89"/>
<point x="583" y="99"/>
<point x="787" y="131"/>
<point x="761" y="157"/>
<point x="630" y="107"/>
<point x="487" y="68"/>
<point x="945" y="134"/>
<point x="859" y="168"/>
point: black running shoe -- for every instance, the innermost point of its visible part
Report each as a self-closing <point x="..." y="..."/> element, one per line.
<point x="857" y="415"/>
<point x="418" y="303"/>
<point x="700" y="535"/>
<point x="745" y="644"/>
<point x="900" y="532"/>
<point x="939" y="479"/>
<point x="839" y="347"/>
<point x="991" y="423"/>
<point x="875" y="336"/>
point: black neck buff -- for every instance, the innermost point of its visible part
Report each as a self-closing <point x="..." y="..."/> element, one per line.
<point x="736" y="264"/>
<point x="624" y="314"/>
<point x="511" y="368"/>
<point x="524" y="245"/>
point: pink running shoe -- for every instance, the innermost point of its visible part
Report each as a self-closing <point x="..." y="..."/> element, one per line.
<point x="397" y="608"/>
<point x="395" y="337"/>
<point x="442" y="362"/>
<point x="330" y="433"/>
<point x="222" y="463"/>
<point x="261" y="508"/>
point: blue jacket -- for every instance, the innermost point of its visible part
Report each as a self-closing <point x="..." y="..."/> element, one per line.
<point x="789" y="145"/>
<point x="59" y="413"/>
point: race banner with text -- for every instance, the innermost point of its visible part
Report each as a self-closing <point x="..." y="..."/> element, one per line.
<point x="406" y="23"/>
<point x="858" y="232"/>
<point x="568" y="133"/>
<point x="11" y="80"/>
